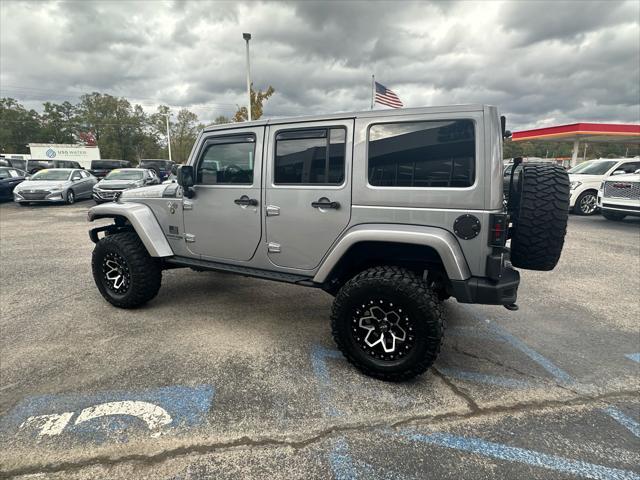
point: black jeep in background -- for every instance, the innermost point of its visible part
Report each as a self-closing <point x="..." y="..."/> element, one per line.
<point x="101" y="168"/>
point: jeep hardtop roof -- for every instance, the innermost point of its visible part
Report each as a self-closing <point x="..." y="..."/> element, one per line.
<point x="344" y="115"/>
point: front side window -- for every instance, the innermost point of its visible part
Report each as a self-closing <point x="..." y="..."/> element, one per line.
<point x="312" y="157"/>
<point x="227" y="160"/>
<point x="422" y="154"/>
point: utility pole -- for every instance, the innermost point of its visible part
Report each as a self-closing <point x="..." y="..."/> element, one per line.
<point x="168" y="135"/>
<point x="247" y="37"/>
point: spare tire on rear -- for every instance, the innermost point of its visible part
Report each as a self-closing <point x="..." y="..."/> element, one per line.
<point x="539" y="211"/>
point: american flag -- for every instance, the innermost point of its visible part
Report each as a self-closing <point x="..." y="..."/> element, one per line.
<point x="387" y="97"/>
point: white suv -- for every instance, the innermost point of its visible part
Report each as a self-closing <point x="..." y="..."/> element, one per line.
<point x="620" y="196"/>
<point x="586" y="178"/>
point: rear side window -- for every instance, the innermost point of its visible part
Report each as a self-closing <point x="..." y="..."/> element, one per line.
<point x="227" y="160"/>
<point x="422" y="154"/>
<point x="312" y="157"/>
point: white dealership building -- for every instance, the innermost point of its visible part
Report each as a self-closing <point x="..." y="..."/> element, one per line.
<point x="51" y="151"/>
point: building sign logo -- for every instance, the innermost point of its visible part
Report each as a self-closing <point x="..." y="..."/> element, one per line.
<point x="51" y="153"/>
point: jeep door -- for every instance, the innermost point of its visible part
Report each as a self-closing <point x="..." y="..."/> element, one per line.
<point x="222" y="220"/>
<point x="307" y="190"/>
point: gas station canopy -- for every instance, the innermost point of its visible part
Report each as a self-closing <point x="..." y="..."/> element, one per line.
<point x="581" y="132"/>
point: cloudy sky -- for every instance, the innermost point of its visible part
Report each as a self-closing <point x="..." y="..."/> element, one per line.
<point x="541" y="63"/>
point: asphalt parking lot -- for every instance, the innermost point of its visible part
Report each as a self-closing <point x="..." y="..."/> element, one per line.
<point x="228" y="377"/>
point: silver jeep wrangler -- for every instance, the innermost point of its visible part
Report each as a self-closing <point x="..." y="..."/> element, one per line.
<point x="390" y="211"/>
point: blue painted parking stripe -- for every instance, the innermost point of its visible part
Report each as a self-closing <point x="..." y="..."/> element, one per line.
<point x="319" y="355"/>
<point x="522" y="455"/>
<point x="341" y="462"/>
<point x="559" y="374"/>
<point x="633" y="356"/>
<point x="624" y="420"/>
<point x="476" y="377"/>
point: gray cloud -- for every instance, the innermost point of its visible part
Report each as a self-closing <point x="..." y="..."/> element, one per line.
<point x="540" y="62"/>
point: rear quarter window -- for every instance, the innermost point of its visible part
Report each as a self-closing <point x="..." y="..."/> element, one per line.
<point x="422" y="154"/>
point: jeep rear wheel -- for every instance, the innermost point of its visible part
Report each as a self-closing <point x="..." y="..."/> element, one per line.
<point x="125" y="274"/>
<point x="388" y="323"/>
<point x="539" y="212"/>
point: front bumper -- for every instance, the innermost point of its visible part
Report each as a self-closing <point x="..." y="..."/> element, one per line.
<point x="486" y="291"/>
<point x="617" y="205"/>
<point x="54" y="197"/>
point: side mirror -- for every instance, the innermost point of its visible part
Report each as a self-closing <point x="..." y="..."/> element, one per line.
<point x="618" y="172"/>
<point x="637" y="171"/>
<point x="186" y="179"/>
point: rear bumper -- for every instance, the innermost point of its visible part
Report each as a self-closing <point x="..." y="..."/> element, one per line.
<point x="486" y="291"/>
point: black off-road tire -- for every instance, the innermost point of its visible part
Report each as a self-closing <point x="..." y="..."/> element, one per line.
<point x="539" y="212"/>
<point x="145" y="273"/>
<point x="616" y="217"/>
<point x="419" y="303"/>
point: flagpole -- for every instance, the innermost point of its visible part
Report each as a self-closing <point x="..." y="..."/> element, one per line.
<point x="373" y="90"/>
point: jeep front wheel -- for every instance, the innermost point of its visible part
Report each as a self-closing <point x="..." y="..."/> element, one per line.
<point x="388" y="323"/>
<point x="124" y="272"/>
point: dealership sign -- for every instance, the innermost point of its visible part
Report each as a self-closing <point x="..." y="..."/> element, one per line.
<point x="48" y="151"/>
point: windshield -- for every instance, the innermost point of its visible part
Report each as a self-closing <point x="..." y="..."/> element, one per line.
<point x="597" y="167"/>
<point x="124" y="175"/>
<point x="51" y="175"/>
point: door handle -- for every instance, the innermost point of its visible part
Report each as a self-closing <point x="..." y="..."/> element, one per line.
<point x="326" y="204"/>
<point x="246" y="201"/>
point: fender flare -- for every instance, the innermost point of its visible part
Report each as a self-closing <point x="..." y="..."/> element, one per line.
<point x="143" y="222"/>
<point x="442" y="241"/>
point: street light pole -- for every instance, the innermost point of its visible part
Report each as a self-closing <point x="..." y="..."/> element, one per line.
<point x="168" y="135"/>
<point x="247" y="37"/>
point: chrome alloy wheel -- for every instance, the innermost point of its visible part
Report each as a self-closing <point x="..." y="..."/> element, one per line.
<point x="382" y="330"/>
<point x="588" y="204"/>
<point x="116" y="273"/>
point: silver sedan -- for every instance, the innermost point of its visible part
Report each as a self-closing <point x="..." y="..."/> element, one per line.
<point x="55" y="185"/>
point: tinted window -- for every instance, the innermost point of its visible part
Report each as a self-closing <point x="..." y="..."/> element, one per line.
<point x="227" y="160"/>
<point x="155" y="164"/>
<point x="310" y="156"/>
<point x="630" y="167"/>
<point x="422" y="154"/>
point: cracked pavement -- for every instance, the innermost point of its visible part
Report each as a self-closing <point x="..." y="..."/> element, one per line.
<point x="250" y="378"/>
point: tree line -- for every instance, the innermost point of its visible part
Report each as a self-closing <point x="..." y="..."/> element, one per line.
<point x="121" y="129"/>
<point x="125" y="131"/>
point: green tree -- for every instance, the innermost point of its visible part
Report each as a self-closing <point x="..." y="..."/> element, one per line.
<point x="221" y="119"/>
<point x="18" y="127"/>
<point x="257" y="103"/>
<point x="183" y="134"/>
<point x="58" y="122"/>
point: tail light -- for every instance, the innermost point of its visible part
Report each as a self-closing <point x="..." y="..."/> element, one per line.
<point x="498" y="229"/>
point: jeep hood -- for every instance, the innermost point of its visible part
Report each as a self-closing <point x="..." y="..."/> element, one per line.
<point x="151" y="191"/>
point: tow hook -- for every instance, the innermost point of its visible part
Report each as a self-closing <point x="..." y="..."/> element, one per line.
<point x="512" y="307"/>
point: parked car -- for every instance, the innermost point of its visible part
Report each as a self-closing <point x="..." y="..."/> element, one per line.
<point x="587" y="177"/>
<point x="389" y="211"/>
<point x="161" y="167"/>
<point x="9" y="178"/>
<point x="100" y="168"/>
<point x="34" y="166"/>
<point x="122" y="179"/>
<point x="620" y="196"/>
<point x="55" y="185"/>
